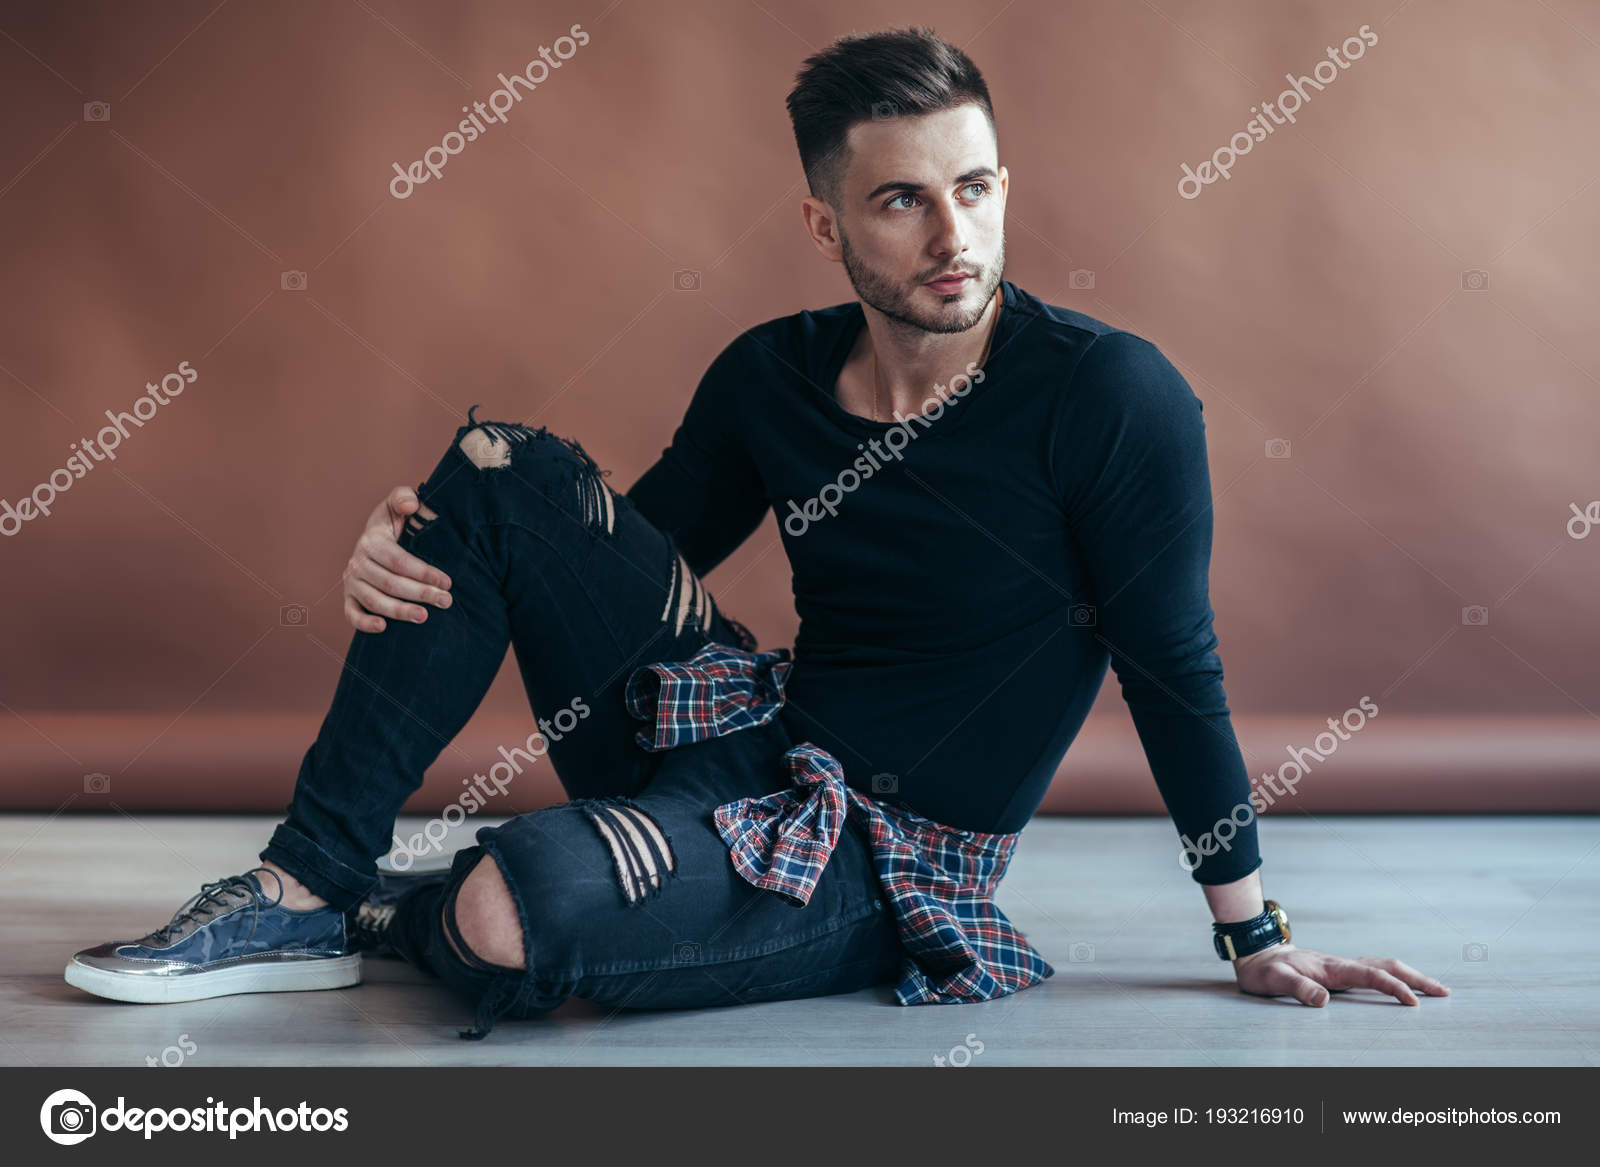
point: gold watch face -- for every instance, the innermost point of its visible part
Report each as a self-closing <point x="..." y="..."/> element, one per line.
<point x="1281" y="916"/>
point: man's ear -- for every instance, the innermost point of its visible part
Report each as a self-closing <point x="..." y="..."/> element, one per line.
<point x="822" y="225"/>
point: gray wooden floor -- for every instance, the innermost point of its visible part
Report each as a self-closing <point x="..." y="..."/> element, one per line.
<point x="1144" y="990"/>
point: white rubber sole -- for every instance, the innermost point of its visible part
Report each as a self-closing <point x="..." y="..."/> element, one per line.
<point x="332" y="972"/>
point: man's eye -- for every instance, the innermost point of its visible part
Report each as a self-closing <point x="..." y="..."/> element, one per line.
<point x="898" y="197"/>
<point x="982" y="188"/>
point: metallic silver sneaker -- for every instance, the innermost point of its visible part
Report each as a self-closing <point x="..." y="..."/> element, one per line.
<point x="229" y="938"/>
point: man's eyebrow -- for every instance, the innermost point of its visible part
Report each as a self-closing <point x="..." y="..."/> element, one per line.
<point x="918" y="188"/>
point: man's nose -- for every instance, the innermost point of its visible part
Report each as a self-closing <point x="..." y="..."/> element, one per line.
<point x="949" y="234"/>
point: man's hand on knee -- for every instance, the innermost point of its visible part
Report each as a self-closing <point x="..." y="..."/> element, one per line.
<point x="381" y="576"/>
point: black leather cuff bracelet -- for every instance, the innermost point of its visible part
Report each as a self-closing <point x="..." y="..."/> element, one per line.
<point x="1247" y="936"/>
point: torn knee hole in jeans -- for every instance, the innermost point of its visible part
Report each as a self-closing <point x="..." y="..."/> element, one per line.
<point x="490" y="445"/>
<point x="640" y="851"/>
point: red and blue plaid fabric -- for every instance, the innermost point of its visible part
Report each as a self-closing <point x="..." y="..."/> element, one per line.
<point x="939" y="881"/>
<point x="718" y="691"/>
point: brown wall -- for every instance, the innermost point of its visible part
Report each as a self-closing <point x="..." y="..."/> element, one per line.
<point x="1438" y="433"/>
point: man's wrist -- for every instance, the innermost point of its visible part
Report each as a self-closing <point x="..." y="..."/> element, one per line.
<point x="1240" y="911"/>
<point x="1233" y="903"/>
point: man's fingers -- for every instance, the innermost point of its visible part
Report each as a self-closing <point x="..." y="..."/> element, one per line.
<point x="381" y="575"/>
<point x="395" y="510"/>
<point x="389" y="515"/>
<point x="1417" y="980"/>
<point x="403" y="501"/>
<point x="379" y="604"/>
<point x="1303" y="989"/>
<point x="1389" y="983"/>
<point x="1351" y="974"/>
<point x="401" y="562"/>
<point x="1310" y="977"/>
<point x="1278" y="978"/>
<point x="361" y="620"/>
<point x="400" y="587"/>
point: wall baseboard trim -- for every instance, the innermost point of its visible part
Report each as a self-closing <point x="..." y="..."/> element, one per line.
<point x="1396" y="764"/>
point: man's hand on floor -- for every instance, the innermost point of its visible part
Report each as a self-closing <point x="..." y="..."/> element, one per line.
<point x="1286" y="971"/>
<point x="381" y="575"/>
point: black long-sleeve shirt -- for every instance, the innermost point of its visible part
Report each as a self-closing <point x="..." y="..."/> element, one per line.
<point x="963" y="585"/>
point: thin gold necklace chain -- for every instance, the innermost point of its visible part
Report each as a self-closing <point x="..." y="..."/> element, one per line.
<point x="875" y="387"/>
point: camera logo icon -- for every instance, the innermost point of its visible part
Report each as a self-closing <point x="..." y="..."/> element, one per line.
<point x="1475" y="952"/>
<point x="97" y="111"/>
<point x="1475" y="280"/>
<point x="687" y="280"/>
<point x="293" y="281"/>
<point x="97" y="783"/>
<point x="686" y="952"/>
<point x="1475" y="614"/>
<point x="292" y="616"/>
<point x="68" y="1117"/>
<point x="1081" y="953"/>
<point x="886" y="784"/>
<point x="1277" y="447"/>
<point x="884" y="109"/>
<point x="1080" y="279"/>
<point x="1082" y="615"/>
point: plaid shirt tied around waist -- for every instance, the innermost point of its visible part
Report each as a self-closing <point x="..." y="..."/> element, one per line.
<point x="938" y="880"/>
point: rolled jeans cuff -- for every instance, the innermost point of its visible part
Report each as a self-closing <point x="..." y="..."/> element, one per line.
<point x="322" y="874"/>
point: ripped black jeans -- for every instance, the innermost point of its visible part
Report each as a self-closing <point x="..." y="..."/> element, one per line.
<point x="626" y="894"/>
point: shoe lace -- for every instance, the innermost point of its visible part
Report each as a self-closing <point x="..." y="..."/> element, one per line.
<point x="213" y="898"/>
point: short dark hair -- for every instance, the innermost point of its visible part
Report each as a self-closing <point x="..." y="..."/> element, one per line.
<point x="899" y="73"/>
